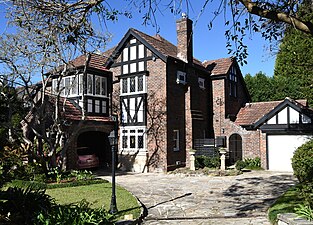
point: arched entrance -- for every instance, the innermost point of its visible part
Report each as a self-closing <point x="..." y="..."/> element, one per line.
<point x="235" y="148"/>
<point x="95" y="142"/>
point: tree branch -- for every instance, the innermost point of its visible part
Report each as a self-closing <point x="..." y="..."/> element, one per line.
<point x="254" y="8"/>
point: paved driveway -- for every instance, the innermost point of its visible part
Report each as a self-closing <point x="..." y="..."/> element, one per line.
<point x="177" y="199"/>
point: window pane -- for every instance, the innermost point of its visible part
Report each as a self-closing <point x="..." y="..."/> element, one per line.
<point x="97" y="106"/>
<point x="54" y="86"/>
<point x="132" y="84"/>
<point x="103" y="86"/>
<point x="104" y="106"/>
<point x="81" y="84"/>
<point x="132" y="141"/>
<point x="140" y="141"/>
<point x="97" y="85"/>
<point x="89" y="84"/>
<point x="89" y="107"/>
<point x="74" y="85"/>
<point x="124" y="141"/>
<point x="140" y="83"/>
<point x="124" y="85"/>
<point x="67" y="85"/>
<point x="61" y="88"/>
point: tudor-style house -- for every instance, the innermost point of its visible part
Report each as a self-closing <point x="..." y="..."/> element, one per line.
<point x="164" y="96"/>
<point x="85" y="109"/>
<point x="168" y="100"/>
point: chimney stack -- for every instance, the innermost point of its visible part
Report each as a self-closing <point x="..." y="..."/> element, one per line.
<point x="184" y="39"/>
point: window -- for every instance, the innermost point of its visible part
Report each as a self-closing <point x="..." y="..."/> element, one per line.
<point x="133" y="85"/>
<point x="89" y="84"/>
<point x="201" y="83"/>
<point x="101" y="83"/>
<point x="68" y="85"/>
<point x="181" y="77"/>
<point x="81" y="84"/>
<point x="132" y="139"/>
<point x="176" y="140"/>
<point x="233" y="82"/>
<point x="89" y="107"/>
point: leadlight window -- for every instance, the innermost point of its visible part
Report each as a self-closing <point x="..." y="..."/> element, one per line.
<point x="133" y="139"/>
<point x="134" y="84"/>
<point x="89" y="84"/>
<point x="201" y="83"/>
<point x="233" y="82"/>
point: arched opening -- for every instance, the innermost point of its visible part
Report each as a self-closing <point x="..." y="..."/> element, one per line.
<point x="235" y="148"/>
<point x="94" y="143"/>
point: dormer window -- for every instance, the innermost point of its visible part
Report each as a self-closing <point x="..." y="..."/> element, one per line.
<point x="181" y="77"/>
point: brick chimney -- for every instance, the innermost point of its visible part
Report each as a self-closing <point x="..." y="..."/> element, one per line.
<point x="184" y="39"/>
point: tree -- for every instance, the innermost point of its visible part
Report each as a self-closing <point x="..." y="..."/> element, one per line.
<point x="294" y="62"/>
<point x="260" y="87"/>
<point x="71" y="20"/>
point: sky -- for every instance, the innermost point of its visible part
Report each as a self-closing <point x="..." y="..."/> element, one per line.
<point x="208" y="43"/>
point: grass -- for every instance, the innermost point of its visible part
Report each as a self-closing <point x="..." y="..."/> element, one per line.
<point x="98" y="195"/>
<point x="286" y="203"/>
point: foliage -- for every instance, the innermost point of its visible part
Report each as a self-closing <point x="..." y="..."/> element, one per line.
<point x="203" y="161"/>
<point x="304" y="211"/>
<point x="17" y="204"/>
<point x="78" y="214"/>
<point x="302" y="162"/>
<point x="286" y="203"/>
<point x="14" y="165"/>
<point x="249" y="163"/>
<point x="293" y="67"/>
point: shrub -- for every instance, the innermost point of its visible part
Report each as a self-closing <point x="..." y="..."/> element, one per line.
<point x="240" y="164"/>
<point x="206" y="161"/>
<point x="302" y="162"/>
<point x="17" y="204"/>
<point x="77" y="214"/>
<point x="248" y="163"/>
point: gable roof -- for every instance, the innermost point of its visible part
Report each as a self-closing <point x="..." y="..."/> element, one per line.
<point x="218" y="66"/>
<point x="158" y="45"/>
<point x="259" y="112"/>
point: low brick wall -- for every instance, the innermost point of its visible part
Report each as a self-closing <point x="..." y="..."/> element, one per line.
<point x="291" y="219"/>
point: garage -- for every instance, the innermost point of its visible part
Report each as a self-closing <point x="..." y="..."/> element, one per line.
<point x="280" y="150"/>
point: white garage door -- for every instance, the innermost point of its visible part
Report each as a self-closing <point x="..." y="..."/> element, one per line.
<point x="281" y="149"/>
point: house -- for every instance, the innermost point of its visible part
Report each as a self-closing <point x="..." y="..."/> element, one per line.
<point x="268" y="130"/>
<point x="168" y="102"/>
<point x="164" y="95"/>
<point x="167" y="99"/>
<point x="83" y="98"/>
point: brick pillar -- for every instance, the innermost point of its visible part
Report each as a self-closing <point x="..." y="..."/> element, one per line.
<point x="188" y="127"/>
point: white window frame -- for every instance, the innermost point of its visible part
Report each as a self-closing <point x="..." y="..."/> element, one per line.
<point x="176" y="140"/>
<point x="126" y="134"/>
<point x="144" y="89"/>
<point x="181" y="77"/>
<point x="101" y="86"/>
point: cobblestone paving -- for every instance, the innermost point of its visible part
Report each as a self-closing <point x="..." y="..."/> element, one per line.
<point x="177" y="199"/>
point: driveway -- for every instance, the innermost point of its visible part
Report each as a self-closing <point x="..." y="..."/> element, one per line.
<point x="177" y="199"/>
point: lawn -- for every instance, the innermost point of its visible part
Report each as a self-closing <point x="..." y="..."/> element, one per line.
<point x="98" y="195"/>
<point x="285" y="203"/>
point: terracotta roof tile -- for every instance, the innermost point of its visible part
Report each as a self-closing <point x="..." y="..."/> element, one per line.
<point x="252" y="112"/>
<point x="96" y="61"/>
<point x="218" y="66"/>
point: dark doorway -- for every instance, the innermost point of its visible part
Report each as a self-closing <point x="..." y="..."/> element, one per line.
<point x="94" y="142"/>
<point x="235" y="148"/>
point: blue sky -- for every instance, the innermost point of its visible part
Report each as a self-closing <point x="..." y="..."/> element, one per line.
<point x="207" y="44"/>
